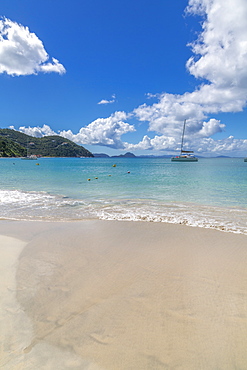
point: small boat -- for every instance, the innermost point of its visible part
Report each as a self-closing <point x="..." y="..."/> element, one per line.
<point x="185" y="155"/>
<point x="30" y="157"/>
<point x="245" y="159"/>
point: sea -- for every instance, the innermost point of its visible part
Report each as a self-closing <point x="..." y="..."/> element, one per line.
<point x="210" y="193"/>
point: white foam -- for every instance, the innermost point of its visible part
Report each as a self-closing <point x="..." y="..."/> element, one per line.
<point x="15" y="196"/>
<point x="186" y="214"/>
<point x="18" y="205"/>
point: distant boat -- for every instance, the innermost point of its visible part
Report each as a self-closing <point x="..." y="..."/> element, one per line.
<point x="30" y="157"/>
<point x="185" y="155"/>
<point x="245" y="159"/>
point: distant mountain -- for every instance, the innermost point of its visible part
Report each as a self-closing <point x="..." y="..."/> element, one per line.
<point x="155" y="156"/>
<point x="129" y="155"/>
<point x="16" y="144"/>
<point x="222" y="156"/>
<point x="101" y="155"/>
<point x="126" y="155"/>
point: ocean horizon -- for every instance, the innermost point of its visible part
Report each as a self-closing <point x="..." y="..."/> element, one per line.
<point x="211" y="193"/>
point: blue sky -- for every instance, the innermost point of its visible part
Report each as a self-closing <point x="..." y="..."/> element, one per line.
<point x="122" y="76"/>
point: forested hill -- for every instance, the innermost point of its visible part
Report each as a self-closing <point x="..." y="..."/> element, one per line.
<point x="16" y="144"/>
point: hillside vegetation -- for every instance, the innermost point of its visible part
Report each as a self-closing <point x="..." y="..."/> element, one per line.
<point x="16" y="144"/>
<point x="9" y="148"/>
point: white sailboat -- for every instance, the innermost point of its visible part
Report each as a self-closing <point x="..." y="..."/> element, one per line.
<point x="185" y="155"/>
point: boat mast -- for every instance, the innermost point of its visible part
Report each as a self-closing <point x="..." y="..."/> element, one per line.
<point x="183" y="137"/>
<point x="27" y="148"/>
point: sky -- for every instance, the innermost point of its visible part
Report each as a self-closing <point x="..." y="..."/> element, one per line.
<point x="123" y="75"/>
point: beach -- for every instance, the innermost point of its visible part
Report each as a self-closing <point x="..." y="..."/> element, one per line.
<point x="110" y="295"/>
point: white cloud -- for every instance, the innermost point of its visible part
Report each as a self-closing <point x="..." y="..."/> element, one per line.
<point x="108" y="132"/>
<point x="222" y="45"/>
<point x="158" y="143"/>
<point x="204" y="146"/>
<point x="151" y="95"/>
<point x="37" y="131"/>
<point x="220" y="59"/>
<point x="22" y="53"/>
<point x="229" y="146"/>
<point x="210" y="128"/>
<point x="103" y="101"/>
<point x="103" y="131"/>
<point x="166" y="116"/>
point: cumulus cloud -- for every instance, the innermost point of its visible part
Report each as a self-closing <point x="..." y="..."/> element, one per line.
<point x="220" y="61"/>
<point x="45" y="130"/>
<point x="103" y="131"/>
<point x="108" y="132"/>
<point x="222" y="45"/>
<point x="22" y="53"/>
<point x="229" y="146"/>
<point x="158" y="143"/>
<point x="204" y="146"/>
<point x="103" y="101"/>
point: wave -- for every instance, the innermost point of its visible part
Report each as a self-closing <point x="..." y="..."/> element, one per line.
<point x="20" y="205"/>
<point x="228" y="220"/>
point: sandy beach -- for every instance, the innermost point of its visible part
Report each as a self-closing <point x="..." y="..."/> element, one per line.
<point x="121" y="295"/>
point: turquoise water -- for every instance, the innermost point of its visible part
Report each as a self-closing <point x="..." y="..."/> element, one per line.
<point x="209" y="193"/>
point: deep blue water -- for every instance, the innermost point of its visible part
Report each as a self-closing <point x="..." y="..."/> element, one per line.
<point x="209" y="193"/>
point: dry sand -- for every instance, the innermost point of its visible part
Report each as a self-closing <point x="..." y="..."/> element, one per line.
<point x="121" y="295"/>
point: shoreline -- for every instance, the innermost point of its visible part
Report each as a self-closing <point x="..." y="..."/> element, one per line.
<point x="152" y="191"/>
<point x="122" y="295"/>
<point x="145" y="220"/>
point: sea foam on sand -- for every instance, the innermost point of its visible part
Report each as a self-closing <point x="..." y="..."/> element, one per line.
<point x="121" y="295"/>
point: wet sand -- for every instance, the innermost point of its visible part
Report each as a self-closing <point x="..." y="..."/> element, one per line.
<point x="121" y="295"/>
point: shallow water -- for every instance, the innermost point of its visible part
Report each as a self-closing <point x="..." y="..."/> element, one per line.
<point x="209" y="193"/>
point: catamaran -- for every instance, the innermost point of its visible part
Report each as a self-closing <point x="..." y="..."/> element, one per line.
<point x="185" y="155"/>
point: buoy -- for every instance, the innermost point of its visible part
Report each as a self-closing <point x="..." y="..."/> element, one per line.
<point x="114" y="165"/>
<point x="37" y="164"/>
<point x="128" y="172"/>
<point x="96" y="178"/>
<point x="109" y="175"/>
<point x="88" y="179"/>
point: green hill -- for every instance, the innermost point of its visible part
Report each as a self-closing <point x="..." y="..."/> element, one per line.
<point x="16" y="144"/>
<point x="9" y="148"/>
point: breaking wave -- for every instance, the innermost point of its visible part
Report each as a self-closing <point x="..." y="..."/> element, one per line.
<point x="20" y="205"/>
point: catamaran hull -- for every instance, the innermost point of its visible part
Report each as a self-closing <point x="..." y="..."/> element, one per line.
<point x="184" y="159"/>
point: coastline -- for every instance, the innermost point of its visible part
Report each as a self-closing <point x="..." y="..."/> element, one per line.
<point x="149" y="190"/>
<point x="99" y="294"/>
